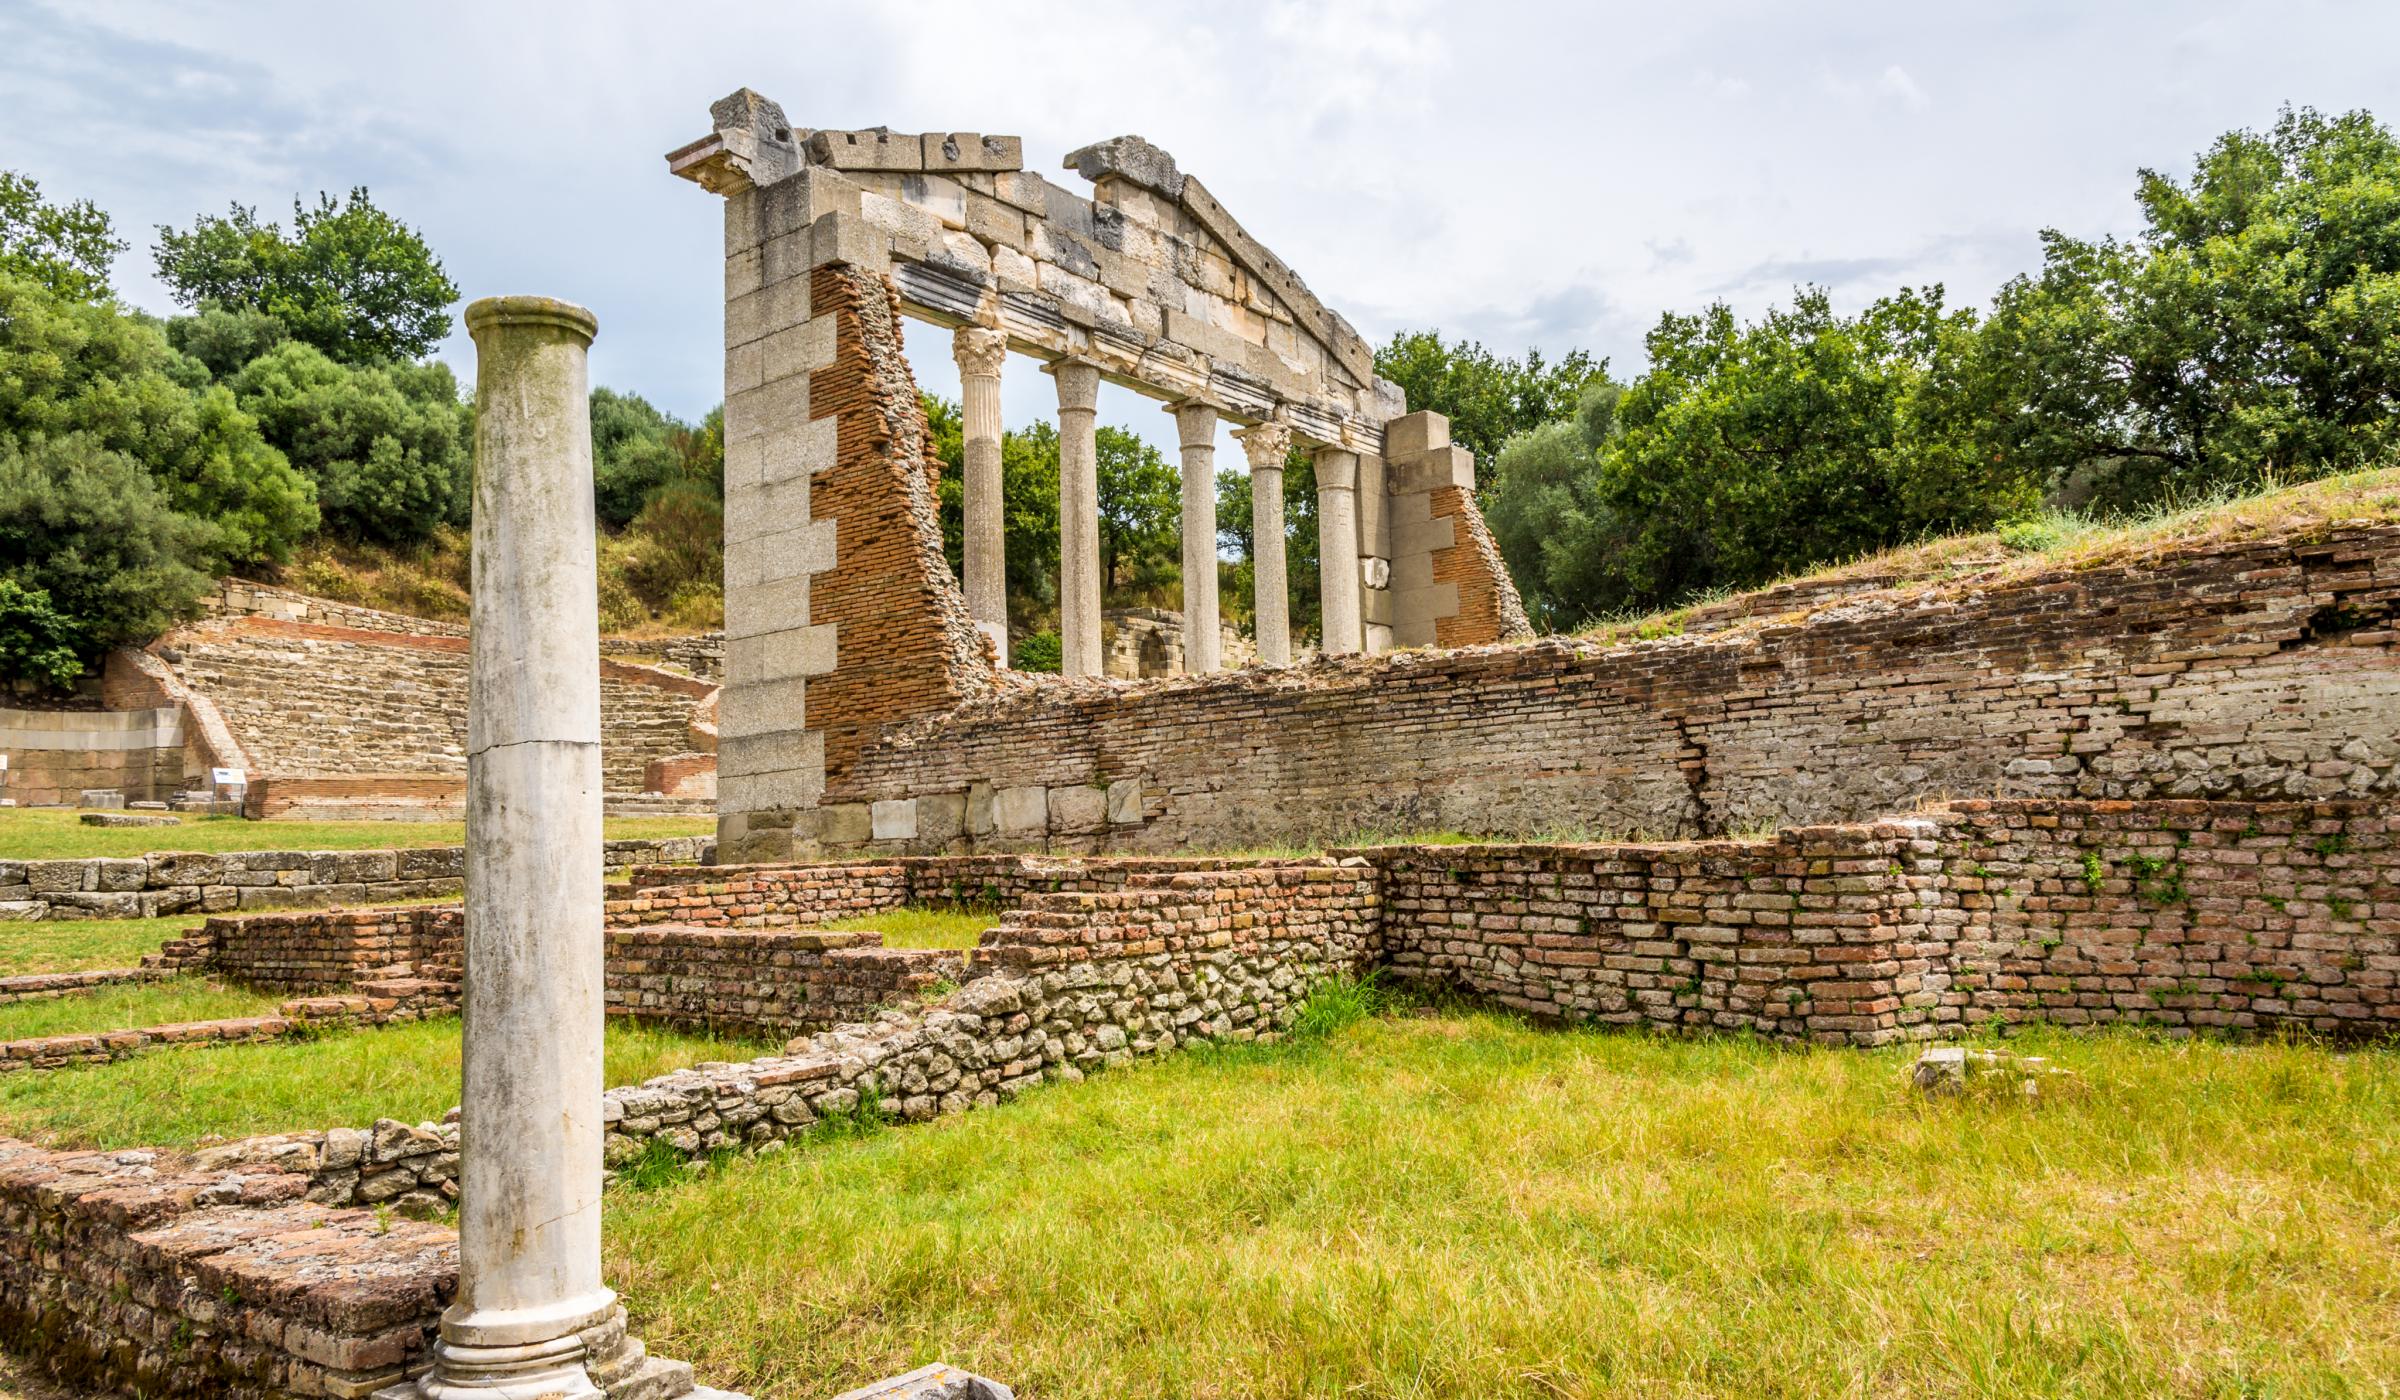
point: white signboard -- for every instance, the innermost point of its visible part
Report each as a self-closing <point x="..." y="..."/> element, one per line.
<point x="226" y="777"/>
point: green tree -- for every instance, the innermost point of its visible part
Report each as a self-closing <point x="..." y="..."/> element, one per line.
<point x="1487" y="399"/>
<point x="634" y="452"/>
<point x="1747" y="452"/>
<point x="88" y="528"/>
<point x="80" y="368"/>
<point x="1141" y="517"/>
<point x="1028" y="509"/>
<point x="2250" y="332"/>
<point x="1542" y="500"/>
<point x="37" y="641"/>
<point x="390" y="447"/>
<point x="65" y="247"/>
<point x="349" y="278"/>
<point x="1238" y="579"/>
<point x="223" y="339"/>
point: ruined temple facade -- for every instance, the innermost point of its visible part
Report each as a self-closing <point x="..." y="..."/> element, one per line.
<point x="842" y="616"/>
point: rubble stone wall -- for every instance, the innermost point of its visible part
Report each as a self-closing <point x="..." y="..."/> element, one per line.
<point x="2255" y="670"/>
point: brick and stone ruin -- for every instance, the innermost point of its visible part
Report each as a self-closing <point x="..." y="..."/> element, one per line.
<point x="2153" y="785"/>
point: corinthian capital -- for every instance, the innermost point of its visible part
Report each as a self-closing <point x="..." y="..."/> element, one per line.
<point x="978" y="350"/>
<point x="1266" y="444"/>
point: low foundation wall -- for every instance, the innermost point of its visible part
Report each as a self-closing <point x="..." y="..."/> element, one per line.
<point x="410" y="1001"/>
<point x="306" y="952"/>
<point x="180" y="882"/>
<point x="151" y="1271"/>
<point x="770" y="981"/>
<point x="50" y="986"/>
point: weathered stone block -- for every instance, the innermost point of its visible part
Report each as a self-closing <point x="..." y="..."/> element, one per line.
<point x="1078" y="809"/>
<point x="1021" y="811"/>
<point x="1125" y="802"/>
<point x="893" y="819"/>
<point x="1415" y="434"/>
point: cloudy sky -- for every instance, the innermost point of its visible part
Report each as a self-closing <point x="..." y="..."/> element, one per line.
<point x="1527" y="173"/>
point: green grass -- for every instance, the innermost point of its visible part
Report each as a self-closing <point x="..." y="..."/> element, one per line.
<point x="171" y="1098"/>
<point x="47" y="834"/>
<point x="134" y="1006"/>
<point x="921" y="926"/>
<point x="1457" y="1205"/>
<point x="79" y="945"/>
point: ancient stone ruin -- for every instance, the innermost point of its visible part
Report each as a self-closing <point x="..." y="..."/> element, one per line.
<point x="842" y="617"/>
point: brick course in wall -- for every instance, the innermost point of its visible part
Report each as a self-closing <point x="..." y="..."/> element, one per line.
<point x="2259" y="670"/>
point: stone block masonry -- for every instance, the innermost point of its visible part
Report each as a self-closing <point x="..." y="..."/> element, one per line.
<point x="2258" y="669"/>
<point x="54" y="756"/>
<point x="184" y="882"/>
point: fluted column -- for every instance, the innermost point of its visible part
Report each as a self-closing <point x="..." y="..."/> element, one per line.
<point x="529" y="1210"/>
<point x="1337" y="549"/>
<point x="1196" y="427"/>
<point x="1078" y="518"/>
<point x="1267" y="444"/>
<point x="979" y="353"/>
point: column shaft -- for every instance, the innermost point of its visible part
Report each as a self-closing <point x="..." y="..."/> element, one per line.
<point x="980" y="353"/>
<point x="530" y="1134"/>
<point x="1266" y="444"/>
<point x="1196" y="427"/>
<point x="1337" y="550"/>
<point x="1078" y="518"/>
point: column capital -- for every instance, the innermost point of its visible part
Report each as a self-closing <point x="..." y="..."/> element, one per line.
<point x="1078" y="384"/>
<point x="1267" y="443"/>
<point x="1337" y="468"/>
<point x="978" y="350"/>
<point x="1195" y="420"/>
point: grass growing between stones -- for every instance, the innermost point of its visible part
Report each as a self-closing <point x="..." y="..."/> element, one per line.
<point x="134" y="1006"/>
<point x="176" y="1097"/>
<point x="1459" y="1205"/>
<point x="79" y="945"/>
<point x="921" y="926"/>
<point x="50" y="834"/>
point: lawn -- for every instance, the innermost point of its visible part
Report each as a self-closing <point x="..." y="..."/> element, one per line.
<point x="921" y="926"/>
<point x="49" y="834"/>
<point x="1458" y="1205"/>
<point x="169" y="1098"/>
<point x="133" y="1006"/>
<point x="78" y="945"/>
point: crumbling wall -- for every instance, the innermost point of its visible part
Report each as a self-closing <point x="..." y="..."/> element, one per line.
<point x="2255" y="669"/>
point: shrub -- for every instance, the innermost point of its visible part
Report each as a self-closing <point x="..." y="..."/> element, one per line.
<point x="37" y="642"/>
<point x="90" y="530"/>
<point x="390" y="447"/>
<point x="1039" y="652"/>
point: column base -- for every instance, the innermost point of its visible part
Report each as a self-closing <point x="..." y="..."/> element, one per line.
<point x="600" y="1360"/>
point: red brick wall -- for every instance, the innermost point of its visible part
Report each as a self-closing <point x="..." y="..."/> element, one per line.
<point x="2261" y="669"/>
<point x="904" y="644"/>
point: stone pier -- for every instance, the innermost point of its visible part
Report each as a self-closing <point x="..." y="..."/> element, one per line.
<point x="1337" y="550"/>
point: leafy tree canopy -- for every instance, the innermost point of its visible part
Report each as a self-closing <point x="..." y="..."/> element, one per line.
<point x="86" y="369"/>
<point x="638" y="449"/>
<point x="2251" y="331"/>
<point x="37" y="641"/>
<point x="1487" y="399"/>
<point x="65" y="247"/>
<point x="86" y="527"/>
<point x="349" y="278"/>
<point x="389" y="447"/>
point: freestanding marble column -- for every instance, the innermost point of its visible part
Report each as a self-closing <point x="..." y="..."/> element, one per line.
<point x="1337" y="549"/>
<point x="1266" y="445"/>
<point x="529" y="1133"/>
<point x="1078" y="518"/>
<point x="1196" y="426"/>
<point x="979" y="353"/>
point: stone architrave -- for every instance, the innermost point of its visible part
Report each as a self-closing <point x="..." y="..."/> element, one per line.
<point x="1267" y="444"/>
<point x="980" y="352"/>
<point x="1196" y="429"/>
<point x="1338" y="580"/>
<point x="1078" y="517"/>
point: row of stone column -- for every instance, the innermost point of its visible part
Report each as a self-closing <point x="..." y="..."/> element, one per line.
<point x="980" y="352"/>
